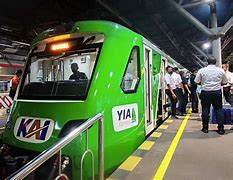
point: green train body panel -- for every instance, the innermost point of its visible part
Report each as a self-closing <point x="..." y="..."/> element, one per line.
<point x="104" y="94"/>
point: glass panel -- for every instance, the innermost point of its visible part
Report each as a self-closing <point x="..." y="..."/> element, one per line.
<point x="64" y="75"/>
<point x="131" y="76"/>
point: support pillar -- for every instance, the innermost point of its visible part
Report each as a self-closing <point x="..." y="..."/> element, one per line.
<point x="216" y="43"/>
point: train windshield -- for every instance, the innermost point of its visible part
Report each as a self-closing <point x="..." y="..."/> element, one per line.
<point x="61" y="71"/>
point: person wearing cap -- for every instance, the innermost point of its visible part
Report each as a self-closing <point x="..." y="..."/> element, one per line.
<point x="211" y="78"/>
<point x="14" y="82"/>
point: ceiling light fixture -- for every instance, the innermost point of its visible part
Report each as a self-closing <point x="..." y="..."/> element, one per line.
<point x="206" y="45"/>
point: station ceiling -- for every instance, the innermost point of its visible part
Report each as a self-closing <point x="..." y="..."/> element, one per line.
<point x="157" y="20"/>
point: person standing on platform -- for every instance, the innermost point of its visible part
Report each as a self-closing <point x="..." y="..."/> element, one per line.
<point x="227" y="87"/>
<point x="170" y="90"/>
<point x="186" y="92"/>
<point x="193" y="89"/>
<point x="14" y="82"/>
<point x="211" y="78"/>
<point x="179" y="90"/>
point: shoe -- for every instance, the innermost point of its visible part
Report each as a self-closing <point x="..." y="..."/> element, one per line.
<point x="174" y="117"/>
<point x="221" y="131"/>
<point x="205" y="129"/>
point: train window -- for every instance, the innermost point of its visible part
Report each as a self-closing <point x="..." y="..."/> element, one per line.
<point x="63" y="75"/>
<point x="131" y="76"/>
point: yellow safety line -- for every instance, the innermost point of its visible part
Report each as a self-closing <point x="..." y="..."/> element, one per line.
<point x="130" y="163"/>
<point x="147" y="145"/>
<point x="163" y="126"/>
<point x="169" y="121"/>
<point x="156" y="134"/>
<point x="166" y="160"/>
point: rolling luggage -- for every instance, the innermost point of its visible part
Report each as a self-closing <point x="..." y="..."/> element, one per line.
<point x="227" y="115"/>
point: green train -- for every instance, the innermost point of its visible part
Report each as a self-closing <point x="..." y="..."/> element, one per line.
<point x="74" y="72"/>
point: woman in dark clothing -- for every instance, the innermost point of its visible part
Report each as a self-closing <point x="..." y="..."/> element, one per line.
<point x="186" y="92"/>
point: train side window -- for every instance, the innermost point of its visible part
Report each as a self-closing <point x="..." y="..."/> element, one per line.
<point x="131" y="76"/>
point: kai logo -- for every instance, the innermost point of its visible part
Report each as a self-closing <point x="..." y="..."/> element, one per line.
<point x="35" y="130"/>
<point x="125" y="116"/>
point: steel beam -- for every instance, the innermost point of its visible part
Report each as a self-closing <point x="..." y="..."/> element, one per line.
<point x="197" y="4"/>
<point x="180" y="2"/>
<point x="201" y="63"/>
<point x="22" y="43"/>
<point x="225" y="43"/>
<point x="226" y="27"/>
<point x="117" y="14"/>
<point x="7" y="45"/>
<point x="191" y="18"/>
<point x="216" y="43"/>
<point x="166" y="31"/>
<point x="198" y="49"/>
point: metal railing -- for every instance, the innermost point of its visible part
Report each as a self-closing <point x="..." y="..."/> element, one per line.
<point x="45" y="155"/>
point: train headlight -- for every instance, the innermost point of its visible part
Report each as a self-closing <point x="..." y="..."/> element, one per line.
<point x="60" y="46"/>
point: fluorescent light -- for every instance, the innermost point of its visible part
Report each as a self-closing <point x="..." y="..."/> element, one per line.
<point x="206" y="45"/>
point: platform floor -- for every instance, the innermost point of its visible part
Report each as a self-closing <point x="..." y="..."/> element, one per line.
<point x="178" y="150"/>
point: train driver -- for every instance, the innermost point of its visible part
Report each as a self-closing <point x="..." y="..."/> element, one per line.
<point x="77" y="75"/>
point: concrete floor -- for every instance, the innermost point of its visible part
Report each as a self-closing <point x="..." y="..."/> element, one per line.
<point x="202" y="156"/>
<point x="198" y="156"/>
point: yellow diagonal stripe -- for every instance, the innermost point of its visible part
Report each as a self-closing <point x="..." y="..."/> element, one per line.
<point x="156" y="134"/>
<point x="146" y="145"/>
<point x="130" y="163"/>
<point x="169" y="121"/>
<point x="166" y="160"/>
<point x="163" y="127"/>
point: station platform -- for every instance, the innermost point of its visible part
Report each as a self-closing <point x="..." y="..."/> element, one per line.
<point x="178" y="150"/>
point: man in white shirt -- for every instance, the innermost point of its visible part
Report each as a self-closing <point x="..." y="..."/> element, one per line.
<point x="227" y="87"/>
<point x="170" y="90"/>
<point x="211" y="78"/>
<point x="179" y="91"/>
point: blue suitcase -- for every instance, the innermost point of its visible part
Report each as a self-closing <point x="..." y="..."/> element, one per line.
<point x="227" y="115"/>
<point x="214" y="120"/>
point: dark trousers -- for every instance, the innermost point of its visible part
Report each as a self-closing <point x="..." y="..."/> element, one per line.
<point x="180" y="99"/>
<point x="194" y="100"/>
<point x="226" y="93"/>
<point x="213" y="98"/>
<point x="173" y="101"/>
<point x="185" y="102"/>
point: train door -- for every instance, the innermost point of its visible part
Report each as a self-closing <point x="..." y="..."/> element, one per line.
<point x="163" y="94"/>
<point x="149" y="123"/>
<point x="156" y="66"/>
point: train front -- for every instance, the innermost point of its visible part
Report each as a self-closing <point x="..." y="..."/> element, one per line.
<point x="51" y="101"/>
